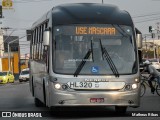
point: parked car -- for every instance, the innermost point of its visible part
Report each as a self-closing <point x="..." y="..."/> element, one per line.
<point x="155" y="63"/>
<point x="6" y="77"/>
<point x="24" y="75"/>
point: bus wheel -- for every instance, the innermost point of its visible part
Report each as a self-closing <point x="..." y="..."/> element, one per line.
<point x="44" y="93"/>
<point x="32" y="88"/>
<point x="120" y="109"/>
<point x="38" y="103"/>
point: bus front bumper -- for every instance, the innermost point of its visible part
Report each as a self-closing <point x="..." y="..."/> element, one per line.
<point x="95" y="98"/>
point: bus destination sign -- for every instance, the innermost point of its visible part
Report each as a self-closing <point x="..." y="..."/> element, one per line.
<point x="95" y="30"/>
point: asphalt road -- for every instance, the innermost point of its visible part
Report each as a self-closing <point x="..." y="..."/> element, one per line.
<point x="16" y="97"/>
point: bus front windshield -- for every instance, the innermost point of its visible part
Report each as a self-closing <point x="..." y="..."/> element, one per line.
<point x="91" y="49"/>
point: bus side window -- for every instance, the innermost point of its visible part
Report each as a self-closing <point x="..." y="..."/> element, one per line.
<point x="46" y="57"/>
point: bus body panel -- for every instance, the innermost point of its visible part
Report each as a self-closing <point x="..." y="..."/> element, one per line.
<point x="83" y="99"/>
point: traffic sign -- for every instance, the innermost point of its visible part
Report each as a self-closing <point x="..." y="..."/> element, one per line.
<point x="7" y="4"/>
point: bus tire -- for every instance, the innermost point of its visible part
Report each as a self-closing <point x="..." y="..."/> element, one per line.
<point x="120" y="109"/>
<point x="44" y="93"/>
<point x="32" y="88"/>
<point x="38" y="103"/>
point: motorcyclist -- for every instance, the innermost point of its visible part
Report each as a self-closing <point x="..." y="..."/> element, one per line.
<point x="153" y="74"/>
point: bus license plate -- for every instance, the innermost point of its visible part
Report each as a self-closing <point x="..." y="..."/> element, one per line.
<point x="96" y="100"/>
<point x="96" y="85"/>
<point x="82" y="85"/>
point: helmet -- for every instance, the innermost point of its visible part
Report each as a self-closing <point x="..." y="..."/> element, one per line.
<point x="147" y="62"/>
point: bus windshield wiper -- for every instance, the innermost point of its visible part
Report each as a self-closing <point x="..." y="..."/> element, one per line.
<point x="82" y="63"/>
<point x="109" y="60"/>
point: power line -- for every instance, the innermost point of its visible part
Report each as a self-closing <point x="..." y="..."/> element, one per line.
<point x="8" y="18"/>
<point x="20" y="29"/>
<point x="146" y="15"/>
<point x="147" y="20"/>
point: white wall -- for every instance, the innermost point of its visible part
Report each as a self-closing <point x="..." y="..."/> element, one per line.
<point x="1" y="47"/>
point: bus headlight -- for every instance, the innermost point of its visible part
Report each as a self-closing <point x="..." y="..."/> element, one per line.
<point x="134" y="86"/>
<point x="57" y="86"/>
<point x="131" y="86"/>
<point x="136" y="80"/>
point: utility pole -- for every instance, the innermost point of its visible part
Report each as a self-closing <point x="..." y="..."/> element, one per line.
<point x="5" y="39"/>
<point x="9" y="58"/>
<point x="146" y="51"/>
<point x="153" y="37"/>
<point x="154" y="49"/>
<point x="158" y="27"/>
<point x="102" y="1"/>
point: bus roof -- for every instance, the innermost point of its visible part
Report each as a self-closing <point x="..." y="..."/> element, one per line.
<point x="90" y="13"/>
<point x="86" y="13"/>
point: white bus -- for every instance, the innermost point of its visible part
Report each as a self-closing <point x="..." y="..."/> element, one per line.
<point x="85" y="55"/>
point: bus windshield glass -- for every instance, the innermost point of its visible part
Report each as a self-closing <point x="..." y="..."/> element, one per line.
<point x="80" y="49"/>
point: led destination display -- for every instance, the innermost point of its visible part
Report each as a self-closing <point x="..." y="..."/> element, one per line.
<point x="95" y="30"/>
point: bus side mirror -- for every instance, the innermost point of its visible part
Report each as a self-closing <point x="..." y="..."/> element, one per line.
<point x="46" y="37"/>
<point x="138" y="39"/>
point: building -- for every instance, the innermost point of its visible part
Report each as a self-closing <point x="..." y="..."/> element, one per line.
<point x="151" y="48"/>
<point x="14" y="53"/>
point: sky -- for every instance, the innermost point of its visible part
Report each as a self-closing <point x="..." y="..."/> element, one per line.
<point x="144" y="13"/>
